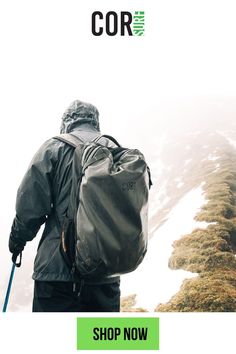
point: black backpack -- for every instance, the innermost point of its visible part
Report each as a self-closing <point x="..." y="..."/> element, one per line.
<point x="105" y="232"/>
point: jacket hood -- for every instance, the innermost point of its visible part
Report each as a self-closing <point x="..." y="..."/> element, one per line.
<point x="79" y="113"/>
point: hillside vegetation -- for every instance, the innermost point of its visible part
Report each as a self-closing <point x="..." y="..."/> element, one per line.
<point x="210" y="252"/>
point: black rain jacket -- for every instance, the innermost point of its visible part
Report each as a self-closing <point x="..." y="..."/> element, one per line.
<point x="43" y="195"/>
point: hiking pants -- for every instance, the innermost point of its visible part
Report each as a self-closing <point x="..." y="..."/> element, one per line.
<point x="76" y="297"/>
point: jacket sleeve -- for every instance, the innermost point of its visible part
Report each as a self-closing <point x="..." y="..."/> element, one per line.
<point x="34" y="196"/>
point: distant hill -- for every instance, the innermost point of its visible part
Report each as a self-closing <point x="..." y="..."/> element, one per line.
<point x="210" y="252"/>
<point x="186" y="160"/>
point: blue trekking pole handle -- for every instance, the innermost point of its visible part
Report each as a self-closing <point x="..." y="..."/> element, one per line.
<point x="14" y="265"/>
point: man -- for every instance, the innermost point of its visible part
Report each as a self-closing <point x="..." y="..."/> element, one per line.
<point x="43" y="198"/>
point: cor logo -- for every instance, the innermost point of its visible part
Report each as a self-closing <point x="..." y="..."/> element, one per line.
<point x="124" y="24"/>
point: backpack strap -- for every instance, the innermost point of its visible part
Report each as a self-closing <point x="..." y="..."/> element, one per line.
<point x="75" y="141"/>
<point x="109" y="137"/>
<point x="69" y="139"/>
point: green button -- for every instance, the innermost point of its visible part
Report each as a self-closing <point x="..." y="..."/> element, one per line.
<point x="117" y="333"/>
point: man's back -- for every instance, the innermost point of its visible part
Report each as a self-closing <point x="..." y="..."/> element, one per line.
<point x="44" y="194"/>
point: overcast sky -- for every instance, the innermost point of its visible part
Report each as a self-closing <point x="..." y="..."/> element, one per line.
<point x="49" y="58"/>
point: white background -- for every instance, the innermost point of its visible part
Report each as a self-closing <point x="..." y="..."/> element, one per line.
<point x="49" y="58"/>
<point x="179" y="333"/>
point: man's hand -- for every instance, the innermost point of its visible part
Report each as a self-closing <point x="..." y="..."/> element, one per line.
<point x="16" y="249"/>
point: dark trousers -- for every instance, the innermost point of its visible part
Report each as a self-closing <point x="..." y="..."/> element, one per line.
<point x="76" y="297"/>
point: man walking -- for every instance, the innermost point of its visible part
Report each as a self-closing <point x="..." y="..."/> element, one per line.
<point x="43" y="198"/>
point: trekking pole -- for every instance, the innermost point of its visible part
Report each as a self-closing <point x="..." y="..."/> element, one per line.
<point x="14" y="265"/>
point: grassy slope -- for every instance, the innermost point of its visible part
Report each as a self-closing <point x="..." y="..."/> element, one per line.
<point x="210" y="252"/>
<point x="128" y="304"/>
